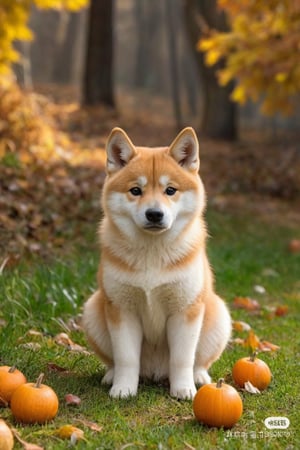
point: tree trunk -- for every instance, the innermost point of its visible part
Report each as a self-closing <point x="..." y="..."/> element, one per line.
<point x="172" y="28"/>
<point x="219" y="112"/>
<point x="98" y="76"/>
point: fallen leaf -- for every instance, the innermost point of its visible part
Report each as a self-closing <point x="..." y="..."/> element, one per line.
<point x="70" y="432"/>
<point x="281" y="310"/>
<point x="52" y="367"/>
<point x="266" y="346"/>
<point x="247" y="303"/>
<point x="91" y="425"/>
<point x="250" y="388"/>
<point x="251" y="341"/>
<point x="238" y="341"/>
<point x="26" y="445"/>
<point x="64" y="339"/>
<point x="294" y="246"/>
<point x="72" y="399"/>
<point x="240" y="326"/>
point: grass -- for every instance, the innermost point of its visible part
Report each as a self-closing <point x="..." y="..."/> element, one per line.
<point x="43" y="297"/>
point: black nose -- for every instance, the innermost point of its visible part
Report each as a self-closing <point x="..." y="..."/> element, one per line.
<point x="154" y="215"/>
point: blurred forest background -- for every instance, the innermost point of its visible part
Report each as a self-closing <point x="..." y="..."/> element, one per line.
<point x="89" y="66"/>
<point x="154" y="59"/>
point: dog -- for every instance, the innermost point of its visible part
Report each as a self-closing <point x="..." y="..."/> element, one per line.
<point x="155" y="314"/>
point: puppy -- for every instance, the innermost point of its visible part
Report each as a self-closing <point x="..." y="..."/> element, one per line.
<point x="155" y="313"/>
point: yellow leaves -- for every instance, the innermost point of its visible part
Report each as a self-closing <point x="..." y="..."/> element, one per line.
<point x="261" y="52"/>
<point x="239" y="94"/>
<point x="212" y="57"/>
<point x="70" y="432"/>
<point x="281" y="77"/>
<point x="14" y="17"/>
<point x="72" y="5"/>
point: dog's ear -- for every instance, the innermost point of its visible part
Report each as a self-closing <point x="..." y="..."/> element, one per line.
<point x="185" y="150"/>
<point x="119" y="149"/>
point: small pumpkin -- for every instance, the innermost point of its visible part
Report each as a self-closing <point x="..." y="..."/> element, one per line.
<point x="6" y="436"/>
<point x="34" y="402"/>
<point x="218" y="405"/>
<point x="10" y="379"/>
<point x="252" y="369"/>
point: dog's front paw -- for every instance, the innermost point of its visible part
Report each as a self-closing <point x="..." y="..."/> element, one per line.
<point x="201" y="377"/>
<point x="122" y="391"/>
<point x="183" y="392"/>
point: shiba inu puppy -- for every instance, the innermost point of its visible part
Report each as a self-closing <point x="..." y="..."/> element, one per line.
<point x="156" y="313"/>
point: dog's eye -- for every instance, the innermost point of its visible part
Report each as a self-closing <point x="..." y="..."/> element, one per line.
<point x="170" y="190"/>
<point x="136" y="191"/>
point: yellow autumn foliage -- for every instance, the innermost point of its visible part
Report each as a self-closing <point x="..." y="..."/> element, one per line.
<point x="260" y="52"/>
<point x="14" y="16"/>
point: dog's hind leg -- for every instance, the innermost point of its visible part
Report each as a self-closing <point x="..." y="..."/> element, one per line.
<point x="96" y="330"/>
<point x="215" y="333"/>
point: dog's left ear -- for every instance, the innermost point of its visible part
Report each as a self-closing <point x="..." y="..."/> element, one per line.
<point x="185" y="150"/>
<point x="120" y="150"/>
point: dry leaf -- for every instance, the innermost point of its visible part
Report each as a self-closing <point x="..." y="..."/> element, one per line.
<point x="66" y="341"/>
<point x="72" y="399"/>
<point x="266" y="346"/>
<point x="281" y="310"/>
<point x="91" y="425"/>
<point x="252" y="341"/>
<point x="52" y="367"/>
<point x="294" y="246"/>
<point x="26" y="445"/>
<point x="69" y="432"/>
<point x="240" y="326"/>
<point x="250" y="388"/>
<point x="238" y="341"/>
<point x="63" y="339"/>
<point x="247" y="303"/>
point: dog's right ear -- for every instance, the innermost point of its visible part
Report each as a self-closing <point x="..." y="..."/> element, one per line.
<point x="120" y="150"/>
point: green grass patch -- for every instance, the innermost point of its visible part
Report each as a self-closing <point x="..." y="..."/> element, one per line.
<point x="44" y="297"/>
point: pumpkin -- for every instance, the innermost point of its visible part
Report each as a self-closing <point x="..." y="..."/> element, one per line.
<point x="218" y="405"/>
<point x="10" y="379"/>
<point x="34" y="402"/>
<point x="6" y="436"/>
<point x="252" y="369"/>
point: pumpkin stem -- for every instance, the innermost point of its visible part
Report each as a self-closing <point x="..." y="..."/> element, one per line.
<point x="12" y="369"/>
<point x="253" y="356"/>
<point x="220" y="382"/>
<point x="39" y="380"/>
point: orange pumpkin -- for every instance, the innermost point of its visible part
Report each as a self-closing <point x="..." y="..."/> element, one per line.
<point x="217" y="405"/>
<point x="252" y="369"/>
<point x="6" y="436"/>
<point x="34" y="402"/>
<point x="10" y="379"/>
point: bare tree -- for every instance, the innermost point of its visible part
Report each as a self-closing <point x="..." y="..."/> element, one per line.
<point x="98" y="76"/>
<point x="219" y="112"/>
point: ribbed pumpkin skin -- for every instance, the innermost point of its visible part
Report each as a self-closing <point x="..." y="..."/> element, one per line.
<point x="251" y="369"/>
<point x="31" y="404"/>
<point x="10" y="380"/>
<point x="217" y="406"/>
